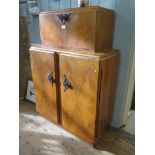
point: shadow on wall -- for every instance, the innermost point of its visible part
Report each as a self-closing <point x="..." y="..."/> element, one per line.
<point x="24" y="58"/>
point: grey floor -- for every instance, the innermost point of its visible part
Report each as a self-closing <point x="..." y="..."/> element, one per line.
<point x="37" y="136"/>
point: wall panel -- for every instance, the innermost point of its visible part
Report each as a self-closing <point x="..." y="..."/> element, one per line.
<point x="74" y="3"/>
<point x="64" y="4"/>
<point x="44" y="5"/>
<point x="54" y="4"/>
<point x="110" y="4"/>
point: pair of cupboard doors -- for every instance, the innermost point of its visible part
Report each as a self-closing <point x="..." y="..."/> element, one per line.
<point x="75" y="91"/>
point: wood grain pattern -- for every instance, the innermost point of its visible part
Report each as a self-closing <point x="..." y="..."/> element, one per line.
<point x="42" y="65"/>
<point x="107" y="84"/>
<point x="79" y="103"/>
<point x="80" y="32"/>
<point x="86" y="109"/>
<point x="104" y="29"/>
<point x="74" y="36"/>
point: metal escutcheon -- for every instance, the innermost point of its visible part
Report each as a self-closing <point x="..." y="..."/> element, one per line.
<point x="66" y="83"/>
<point x="64" y="18"/>
<point x="51" y="78"/>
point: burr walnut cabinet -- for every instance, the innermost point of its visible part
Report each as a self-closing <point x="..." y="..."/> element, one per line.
<point x="74" y="70"/>
<point x="75" y="90"/>
<point x="89" y="28"/>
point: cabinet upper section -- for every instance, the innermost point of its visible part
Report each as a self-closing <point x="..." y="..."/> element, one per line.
<point x="88" y="28"/>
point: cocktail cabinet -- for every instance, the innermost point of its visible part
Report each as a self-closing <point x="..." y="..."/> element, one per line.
<point x="75" y="70"/>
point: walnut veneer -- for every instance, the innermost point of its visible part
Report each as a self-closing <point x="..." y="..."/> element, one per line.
<point x="90" y="29"/>
<point x="75" y="71"/>
<point x="85" y="109"/>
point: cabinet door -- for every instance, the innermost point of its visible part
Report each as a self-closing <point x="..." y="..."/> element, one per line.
<point x="78" y="102"/>
<point x="79" y="31"/>
<point x="43" y="72"/>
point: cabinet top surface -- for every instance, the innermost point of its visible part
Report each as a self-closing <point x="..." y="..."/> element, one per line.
<point x="93" y="8"/>
<point x="74" y="52"/>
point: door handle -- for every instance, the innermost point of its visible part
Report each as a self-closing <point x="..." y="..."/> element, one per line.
<point x="51" y="78"/>
<point x="66" y="83"/>
<point x="64" y="18"/>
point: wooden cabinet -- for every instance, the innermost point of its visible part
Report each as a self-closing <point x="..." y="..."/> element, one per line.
<point x="43" y="65"/>
<point x="90" y="28"/>
<point x="74" y="76"/>
<point x="82" y="96"/>
<point x="79" y="103"/>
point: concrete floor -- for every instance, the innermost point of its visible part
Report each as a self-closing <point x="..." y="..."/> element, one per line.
<point x="37" y="136"/>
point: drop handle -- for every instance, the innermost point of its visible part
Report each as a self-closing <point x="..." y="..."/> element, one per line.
<point x="64" y="18"/>
<point x="66" y="83"/>
<point x="51" y="78"/>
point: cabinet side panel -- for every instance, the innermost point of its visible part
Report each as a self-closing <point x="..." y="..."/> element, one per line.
<point x="105" y="28"/>
<point x="109" y="70"/>
<point x="42" y="64"/>
<point x="79" y="102"/>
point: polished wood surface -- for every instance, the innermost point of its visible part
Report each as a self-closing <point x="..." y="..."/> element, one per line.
<point x="85" y="109"/>
<point x="106" y="93"/>
<point x="79" y="102"/>
<point x="95" y="56"/>
<point x="104" y="30"/>
<point x="74" y="36"/>
<point x="42" y="64"/>
<point x="90" y="29"/>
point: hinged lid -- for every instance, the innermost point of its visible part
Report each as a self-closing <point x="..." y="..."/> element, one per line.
<point x="88" y="28"/>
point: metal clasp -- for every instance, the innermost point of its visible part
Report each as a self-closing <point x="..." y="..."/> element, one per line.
<point x="51" y="78"/>
<point x="66" y="83"/>
<point x="63" y="18"/>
